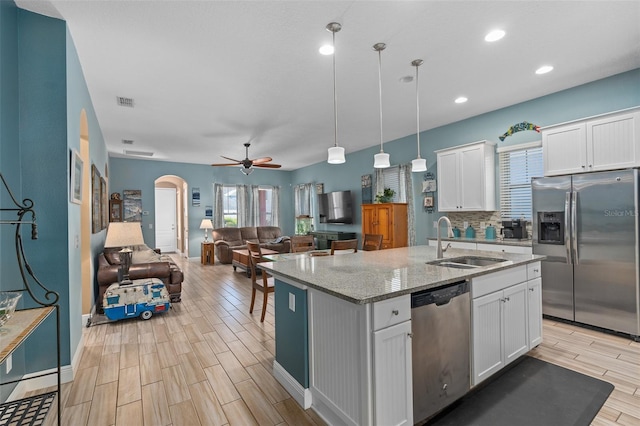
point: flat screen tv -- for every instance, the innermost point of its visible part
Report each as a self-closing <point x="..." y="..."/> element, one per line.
<point x="335" y="207"/>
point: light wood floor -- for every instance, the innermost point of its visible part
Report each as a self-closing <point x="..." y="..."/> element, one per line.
<point x="208" y="362"/>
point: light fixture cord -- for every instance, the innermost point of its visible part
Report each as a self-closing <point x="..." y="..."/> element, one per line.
<point x="335" y="96"/>
<point x="380" y="89"/>
<point x="417" y="112"/>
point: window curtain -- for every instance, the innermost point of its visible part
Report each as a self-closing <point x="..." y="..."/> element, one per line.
<point x="302" y="199"/>
<point x="379" y="188"/>
<point x="255" y="205"/>
<point x="406" y="187"/>
<point x="218" y="209"/>
<point x="244" y="212"/>
<point x="275" y="208"/>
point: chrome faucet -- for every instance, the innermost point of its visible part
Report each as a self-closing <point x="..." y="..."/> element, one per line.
<point x="440" y="250"/>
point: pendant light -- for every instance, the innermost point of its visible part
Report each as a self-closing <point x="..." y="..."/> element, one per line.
<point x="336" y="153"/>
<point x="381" y="160"/>
<point x="419" y="164"/>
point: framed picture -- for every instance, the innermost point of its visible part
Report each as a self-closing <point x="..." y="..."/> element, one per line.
<point x="132" y="205"/>
<point x="96" y="201"/>
<point x="104" y="204"/>
<point x="195" y="197"/>
<point x="115" y="210"/>
<point x="77" y="167"/>
<point x="428" y="201"/>
<point x="319" y="188"/>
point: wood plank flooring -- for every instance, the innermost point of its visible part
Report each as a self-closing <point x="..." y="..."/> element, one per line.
<point x="208" y="362"/>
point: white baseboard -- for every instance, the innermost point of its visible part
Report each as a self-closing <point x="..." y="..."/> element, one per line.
<point x="301" y="395"/>
<point x="66" y="375"/>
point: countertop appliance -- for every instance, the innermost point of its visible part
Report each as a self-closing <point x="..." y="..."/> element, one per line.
<point x="515" y="229"/>
<point x="440" y="325"/>
<point x="587" y="226"/>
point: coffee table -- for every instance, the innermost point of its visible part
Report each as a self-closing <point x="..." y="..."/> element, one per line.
<point x="240" y="259"/>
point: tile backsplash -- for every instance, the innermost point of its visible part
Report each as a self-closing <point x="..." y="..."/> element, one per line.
<point x="474" y="219"/>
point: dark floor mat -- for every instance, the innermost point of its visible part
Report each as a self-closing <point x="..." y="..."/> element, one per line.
<point x="532" y="392"/>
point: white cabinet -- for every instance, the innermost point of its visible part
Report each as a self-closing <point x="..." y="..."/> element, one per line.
<point x="503" y="313"/>
<point x="466" y="177"/>
<point x="392" y="375"/>
<point x="606" y="143"/>
<point x="454" y="244"/>
<point x="504" y="248"/>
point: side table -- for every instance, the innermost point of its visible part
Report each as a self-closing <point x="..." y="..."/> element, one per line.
<point x="206" y="253"/>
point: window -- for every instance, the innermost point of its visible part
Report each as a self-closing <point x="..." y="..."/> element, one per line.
<point x="518" y="165"/>
<point x="230" y="206"/>
<point x="393" y="178"/>
<point x="265" y="204"/>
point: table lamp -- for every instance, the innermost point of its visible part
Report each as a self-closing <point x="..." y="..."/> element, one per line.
<point x="206" y="224"/>
<point x="125" y="235"/>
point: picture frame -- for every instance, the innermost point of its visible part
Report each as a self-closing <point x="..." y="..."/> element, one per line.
<point x="428" y="201"/>
<point x="115" y="210"/>
<point x="75" y="182"/>
<point x="96" y="201"/>
<point x="132" y="205"/>
<point x="319" y="188"/>
<point x="195" y="197"/>
<point x="104" y="204"/>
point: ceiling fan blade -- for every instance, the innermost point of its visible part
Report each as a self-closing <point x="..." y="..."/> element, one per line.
<point x="269" y="166"/>
<point x="262" y="160"/>
<point x="231" y="159"/>
<point x="227" y="164"/>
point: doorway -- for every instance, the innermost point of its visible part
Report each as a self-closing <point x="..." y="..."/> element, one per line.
<point x="171" y="215"/>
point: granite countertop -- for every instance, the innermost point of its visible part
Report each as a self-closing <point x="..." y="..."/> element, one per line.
<point x="371" y="276"/>
<point x="506" y="242"/>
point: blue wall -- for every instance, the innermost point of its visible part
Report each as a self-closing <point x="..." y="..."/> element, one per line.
<point x="42" y="94"/>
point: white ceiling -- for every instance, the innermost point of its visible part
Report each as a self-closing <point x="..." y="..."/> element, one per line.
<point x="208" y="76"/>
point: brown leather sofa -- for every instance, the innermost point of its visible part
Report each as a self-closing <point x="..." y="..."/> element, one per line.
<point x="150" y="265"/>
<point x="226" y="240"/>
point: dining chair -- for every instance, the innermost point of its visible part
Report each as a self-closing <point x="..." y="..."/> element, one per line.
<point x="372" y="242"/>
<point x="302" y="243"/>
<point x="337" y="245"/>
<point x="265" y="284"/>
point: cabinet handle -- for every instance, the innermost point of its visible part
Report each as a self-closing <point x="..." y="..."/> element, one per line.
<point x="531" y="289"/>
<point x="410" y="335"/>
<point x="395" y="312"/>
<point x="583" y="166"/>
<point x="507" y="299"/>
<point x="535" y="270"/>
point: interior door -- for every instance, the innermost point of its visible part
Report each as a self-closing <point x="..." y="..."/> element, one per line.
<point x="166" y="235"/>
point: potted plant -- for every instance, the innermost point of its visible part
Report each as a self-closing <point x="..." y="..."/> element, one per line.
<point x="386" y="196"/>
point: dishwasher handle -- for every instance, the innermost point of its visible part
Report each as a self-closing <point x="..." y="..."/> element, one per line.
<point x="439" y="296"/>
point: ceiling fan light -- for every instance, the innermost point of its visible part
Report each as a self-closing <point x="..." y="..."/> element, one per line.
<point x="381" y="161"/>
<point x="246" y="171"/>
<point x="419" y="165"/>
<point x="336" y="155"/>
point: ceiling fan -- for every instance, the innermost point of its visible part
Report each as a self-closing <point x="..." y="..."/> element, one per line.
<point x="247" y="164"/>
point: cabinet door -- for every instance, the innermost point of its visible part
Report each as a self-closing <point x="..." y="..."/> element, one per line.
<point x="392" y="375"/>
<point x="534" y="311"/>
<point x="448" y="181"/>
<point x="368" y="219"/>
<point x="613" y="142"/>
<point x="487" y="340"/>
<point x="472" y="184"/>
<point x="564" y="149"/>
<point x="384" y="224"/>
<point x="514" y="324"/>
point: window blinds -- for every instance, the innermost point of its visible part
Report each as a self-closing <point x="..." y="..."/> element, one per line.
<point x="517" y="167"/>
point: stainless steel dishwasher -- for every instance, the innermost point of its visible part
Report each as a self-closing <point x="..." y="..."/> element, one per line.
<point x="440" y="348"/>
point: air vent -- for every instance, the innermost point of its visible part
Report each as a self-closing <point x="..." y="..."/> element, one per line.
<point x="127" y="141"/>
<point x="124" y="102"/>
<point x="138" y="153"/>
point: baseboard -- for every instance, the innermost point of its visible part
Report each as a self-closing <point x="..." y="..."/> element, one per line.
<point x="66" y="375"/>
<point x="301" y="395"/>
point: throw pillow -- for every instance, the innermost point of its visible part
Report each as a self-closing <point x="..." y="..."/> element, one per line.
<point x="144" y="256"/>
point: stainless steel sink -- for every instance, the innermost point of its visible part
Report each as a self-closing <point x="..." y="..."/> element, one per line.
<point x="466" y="262"/>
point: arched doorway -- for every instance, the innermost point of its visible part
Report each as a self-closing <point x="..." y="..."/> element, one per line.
<point x="86" y="269"/>
<point x="177" y="185"/>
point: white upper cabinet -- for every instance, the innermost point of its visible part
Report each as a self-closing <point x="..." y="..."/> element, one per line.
<point x="606" y="143"/>
<point x="466" y="178"/>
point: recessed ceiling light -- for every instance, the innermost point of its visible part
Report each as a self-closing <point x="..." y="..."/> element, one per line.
<point x="494" y="35"/>
<point x="544" y="69"/>
<point x="327" y="49"/>
<point x="406" y="79"/>
<point x="461" y="100"/>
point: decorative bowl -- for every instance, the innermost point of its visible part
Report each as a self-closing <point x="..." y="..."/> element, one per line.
<point x="8" y="302"/>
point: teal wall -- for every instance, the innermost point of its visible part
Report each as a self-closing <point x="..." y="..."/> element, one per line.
<point x="42" y="93"/>
<point x="141" y="174"/>
<point x="292" y="349"/>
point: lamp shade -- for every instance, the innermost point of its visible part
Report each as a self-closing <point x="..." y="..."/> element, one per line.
<point x="206" y="224"/>
<point x="336" y="155"/>
<point x="419" y="165"/>
<point x="124" y="234"/>
<point x="381" y="160"/>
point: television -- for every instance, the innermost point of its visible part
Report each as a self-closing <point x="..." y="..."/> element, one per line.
<point x="335" y="207"/>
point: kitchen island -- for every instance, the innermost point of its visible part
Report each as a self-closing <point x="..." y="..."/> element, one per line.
<point x="343" y="326"/>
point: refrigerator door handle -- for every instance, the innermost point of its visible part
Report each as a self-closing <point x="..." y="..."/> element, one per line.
<point x="567" y="228"/>
<point x="574" y="226"/>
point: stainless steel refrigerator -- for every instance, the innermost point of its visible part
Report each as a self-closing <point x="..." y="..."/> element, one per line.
<point x="587" y="226"/>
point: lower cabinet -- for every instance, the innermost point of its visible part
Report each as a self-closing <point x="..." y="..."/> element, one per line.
<point x="506" y="311"/>
<point x="392" y="375"/>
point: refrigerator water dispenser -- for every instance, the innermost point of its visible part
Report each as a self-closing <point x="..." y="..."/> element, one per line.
<point x="551" y="227"/>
